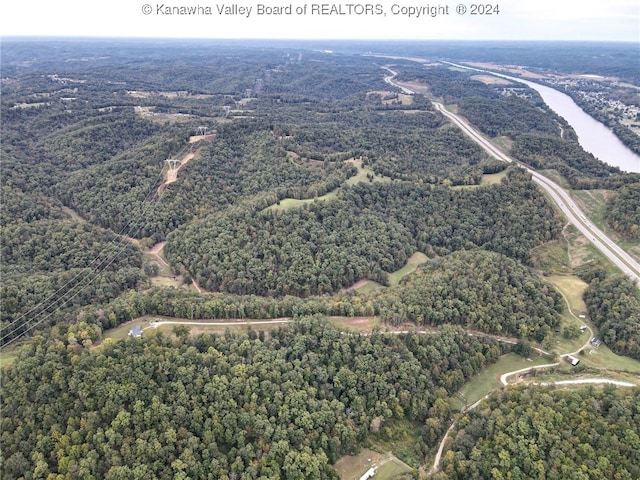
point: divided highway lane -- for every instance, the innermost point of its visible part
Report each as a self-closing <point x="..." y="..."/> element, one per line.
<point x="608" y="247"/>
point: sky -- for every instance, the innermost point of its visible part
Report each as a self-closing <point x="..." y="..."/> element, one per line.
<point x="597" y="20"/>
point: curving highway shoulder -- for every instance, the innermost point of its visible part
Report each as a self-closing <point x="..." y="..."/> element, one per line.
<point x="559" y="195"/>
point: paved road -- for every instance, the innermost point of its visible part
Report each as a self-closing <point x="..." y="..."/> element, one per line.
<point x="608" y="247"/>
<point x="559" y="195"/>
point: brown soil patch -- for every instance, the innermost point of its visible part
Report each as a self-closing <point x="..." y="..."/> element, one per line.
<point x="209" y="137"/>
<point x="155" y="250"/>
<point x="358" y="284"/>
<point x="511" y="69"/>
<point x="491" y="80"/>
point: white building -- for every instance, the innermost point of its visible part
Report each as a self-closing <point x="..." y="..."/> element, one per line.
<point x="368" y="474"/>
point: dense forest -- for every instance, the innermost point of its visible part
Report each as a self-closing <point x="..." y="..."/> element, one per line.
<point x="534" y="432"/>
<point x="538" y="136"/>
<point x="368" y="231"/>
<point x="623" y="211"/>
<point x="473" y="289"/>
<point x="614" y="305"/>
<point x="316" y="176"/>
<point x="476" y="289"/>
<point x="235" y="406"/>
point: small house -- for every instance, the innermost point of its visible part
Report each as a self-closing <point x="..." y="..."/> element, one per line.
<point x="136" y="331"/>
<point x="573" y="360"/>
<point x="368" y="474"/>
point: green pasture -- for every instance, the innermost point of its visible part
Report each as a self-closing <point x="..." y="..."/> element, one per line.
<point x="489" y="378"/>
<point x="418" y="258"/>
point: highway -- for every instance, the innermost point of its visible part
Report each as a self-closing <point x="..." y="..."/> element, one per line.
<point x="559" y="195"/>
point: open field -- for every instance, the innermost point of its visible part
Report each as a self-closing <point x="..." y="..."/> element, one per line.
<point x="399" y="437"/>
<point x="594" y="204"/>
<point x="573" y="289"/>
<point x="564" y="372"/>
<point x="163" y="281"/>
<point x="493" y="178"/>
<point x="489" y="378"/>
<point x="393" y="469"/>
<point x="418" y="258"/>
<point x="195" y="330"/>
<point x="353" y="467"/>
<point x="581" y="251"/>
<point x="363" y="171"/>
<point x="366" y="286"/>
<point x="365" y="174"/>
<point x="149" y="114"/>
<point x="389" y="98"/>
<point x="556" y="177"/>
<point x="289" y="203"/>
<point x="604" y="359"/>
<point x="487" y="179"/>
<point x="491" y="80"/>
<point x="122" y="331"/>
<point x="6" y="359"/>
<point x="358" y="324"/>
<point x="552" y="258"/>
<point x="369" y="286"/>
<point x="195" y="327"/>
<point x="174" y="94"/>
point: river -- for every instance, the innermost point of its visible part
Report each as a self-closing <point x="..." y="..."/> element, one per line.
<point x="593" y="136"/>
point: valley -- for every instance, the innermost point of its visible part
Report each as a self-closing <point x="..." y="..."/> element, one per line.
<point x="365" y="260"/>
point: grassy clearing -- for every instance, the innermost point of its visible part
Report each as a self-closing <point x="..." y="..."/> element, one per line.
<point x="388" y="467"/>
<point x="604" y="359"/>
<point x="416" y="259"/>
<point x="393" y="470"/>
<point x="122" y="331"/>
<point x="487" y="179"/>
<point x="493" y="178"/>
<point x="601" y="358"/>
<point x="504" y="143"/>
<point x="566" y="372"/>
<point x="6" y="359"/>
<point x="165" y="282"/>
<point x="556" y="177"/>
<point x="369" y="286"/>
<point x="489" y="378"/>
<point x="357" y="324"/>
<point x="551" y="258"/>
<point x="365" y="174"/>
<point x="401" y="438"/>
<point x="594" y="204"/>
<point x="573" y="289"/>
<point x="289" y="203"/>
<point x="490" y="80"/>
<point x="560" y="344"/>
<point x="353" y="466"/>
<point x="195" y="330"/>
<point x="581" y="251"/>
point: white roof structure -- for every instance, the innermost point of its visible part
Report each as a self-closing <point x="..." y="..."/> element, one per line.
<point x="368" y="474"/>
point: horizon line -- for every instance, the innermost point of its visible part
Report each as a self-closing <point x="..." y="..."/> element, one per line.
<point x="294" y="39"/>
